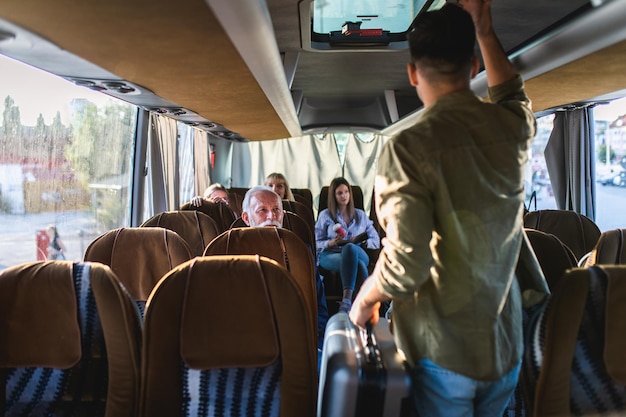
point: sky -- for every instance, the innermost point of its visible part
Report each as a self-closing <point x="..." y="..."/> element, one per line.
<point x="36" y="91"/>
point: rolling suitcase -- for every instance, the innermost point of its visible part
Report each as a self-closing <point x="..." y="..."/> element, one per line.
<point x="362" y="374"/>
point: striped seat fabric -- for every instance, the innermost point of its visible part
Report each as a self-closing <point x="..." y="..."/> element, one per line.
<point x="575" y="362"/>
<point x="227" y="336"/>
<point x="59" y="318"/>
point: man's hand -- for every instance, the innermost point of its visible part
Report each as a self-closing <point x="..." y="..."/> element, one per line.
<point x="366" y="306"/>
<point x="481" y="15"/>
<point x="197" y="201"/>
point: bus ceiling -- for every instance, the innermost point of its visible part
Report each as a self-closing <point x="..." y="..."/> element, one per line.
<point x="250" y="70"/>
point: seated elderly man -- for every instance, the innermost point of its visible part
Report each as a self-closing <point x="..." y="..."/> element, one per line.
<point x="263" y="207"/>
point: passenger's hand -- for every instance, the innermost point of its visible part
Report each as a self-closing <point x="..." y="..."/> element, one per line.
<point x="364" y="310"/>
<point x="219" y="200"/>
<point x="196" y="201"/>
<point x="481" y="14"/>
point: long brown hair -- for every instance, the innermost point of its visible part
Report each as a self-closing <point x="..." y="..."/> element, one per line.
<point x="332" y="201"/>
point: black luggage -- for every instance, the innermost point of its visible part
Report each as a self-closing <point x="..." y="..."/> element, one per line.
<point x="362" y="374"/>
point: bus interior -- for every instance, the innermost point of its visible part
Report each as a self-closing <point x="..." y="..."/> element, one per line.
<point x="115" y="112"/>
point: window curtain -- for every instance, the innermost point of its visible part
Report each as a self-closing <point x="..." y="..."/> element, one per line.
<point x="310" y="161"/>
<point x="185" y="159"/>
<point x="570" y="159"/>
<point x="163" y="166"/>
<point x="201" y="158"/>
<point x="360" y="164"/>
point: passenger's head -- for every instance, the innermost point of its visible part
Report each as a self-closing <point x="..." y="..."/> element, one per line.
<point x="216" y="193"/>
<point x="52" y="231"/>
<point x="262" y="207"/>
<point x="339" y="196"/>
<point x="279" y="184"/>
<point x="442" y="45"/>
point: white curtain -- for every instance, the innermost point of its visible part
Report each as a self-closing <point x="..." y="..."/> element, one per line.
<point x="308" y="162"/>
<point x="163" y="163"/>
<point x="202" y="161"/>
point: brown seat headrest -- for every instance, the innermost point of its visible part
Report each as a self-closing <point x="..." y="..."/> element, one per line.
<point x="195" y="227"/>
<point x="237" y="288"/>
<point x="610" y="249"/>
<point x="139" y="256"/>
<point x="38" y="316"/>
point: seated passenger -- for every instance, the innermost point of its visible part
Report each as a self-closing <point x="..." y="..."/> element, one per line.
<point x="215" y="193"/>
<point x="263" y="207"/>
<point x="340" y="231"/>
<point x="279" y="184"/>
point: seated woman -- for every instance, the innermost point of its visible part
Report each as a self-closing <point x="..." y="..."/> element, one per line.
<point x="215" y="193"/>
<point x="339" y="232"/>
<point x="279" y="184"/>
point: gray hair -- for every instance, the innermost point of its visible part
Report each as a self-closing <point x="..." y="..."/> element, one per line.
<point x="245" y="205"/>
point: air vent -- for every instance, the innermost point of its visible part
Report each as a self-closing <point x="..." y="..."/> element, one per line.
<point x="114" y="88"/>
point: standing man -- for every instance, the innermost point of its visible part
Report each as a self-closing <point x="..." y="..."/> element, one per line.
<point x="450" y="197"/>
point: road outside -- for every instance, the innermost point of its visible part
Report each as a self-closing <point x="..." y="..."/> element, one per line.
<point x="18" y="235"/>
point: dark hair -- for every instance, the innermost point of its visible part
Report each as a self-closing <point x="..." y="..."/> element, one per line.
<point x="332" y="202"/>
<point x="443" y="41"/>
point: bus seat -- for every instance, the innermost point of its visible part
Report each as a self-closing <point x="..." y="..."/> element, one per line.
<point x="226" y="333"/>
<point x="305" y="212"/>
<point x="609" y="249"/>
<point x="281" y="245"/>
<point x="139" y="256"/>
<point x="304" y="196"/>
<point x="553" y="255"/>
<point x="220" y="212"/>
<point x="235" y="199"/>
<point x="70" y="341"/>
<point x="575" y="230"/>
<point x="195" y="227"/>
<point x="574" y="358"/>
<point x="293" y="222"/>
<point x="357" y="196"/>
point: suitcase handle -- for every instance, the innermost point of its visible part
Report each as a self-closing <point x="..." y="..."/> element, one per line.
<point x="369" y="347"/>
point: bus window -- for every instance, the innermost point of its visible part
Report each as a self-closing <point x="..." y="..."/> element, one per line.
<point x="539" y="195"/>
<point x="610" y="166"/>
<point x="65" y="160"/>
<point x="610" y="120"/>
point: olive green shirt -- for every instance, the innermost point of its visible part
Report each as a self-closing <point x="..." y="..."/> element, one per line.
<point x="449" y="193"/>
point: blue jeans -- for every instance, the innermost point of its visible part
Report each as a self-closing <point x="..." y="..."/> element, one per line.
<point x="440" y="392"/>
<point x="349" y="263"/>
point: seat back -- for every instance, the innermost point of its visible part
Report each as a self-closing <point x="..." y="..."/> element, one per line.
<point x="195" y="227"/>
<point x="303" y="211"/>
<point x="553" y="255"/>
<point x="610" y="249"/>
<point x="139" y="256"/>
<point x="70" y="341"/>
<point x="304" y="196"/>
<point x="281" y="245"/>
<point x="575" y="230"/>
<point x="235" y="196"/>
<point x="293" y="222"/>
<point x="575" y="363"/>
<point x="357" y="196"/>
<point x="243" y="354"/>
<point x="222" y="213"/>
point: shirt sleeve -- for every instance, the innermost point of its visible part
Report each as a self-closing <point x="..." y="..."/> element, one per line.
<point x="373" y="239"/>
<point x="511" y="95"/>
<point x="405" y="210"/>
<point x="321" y="230"/>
